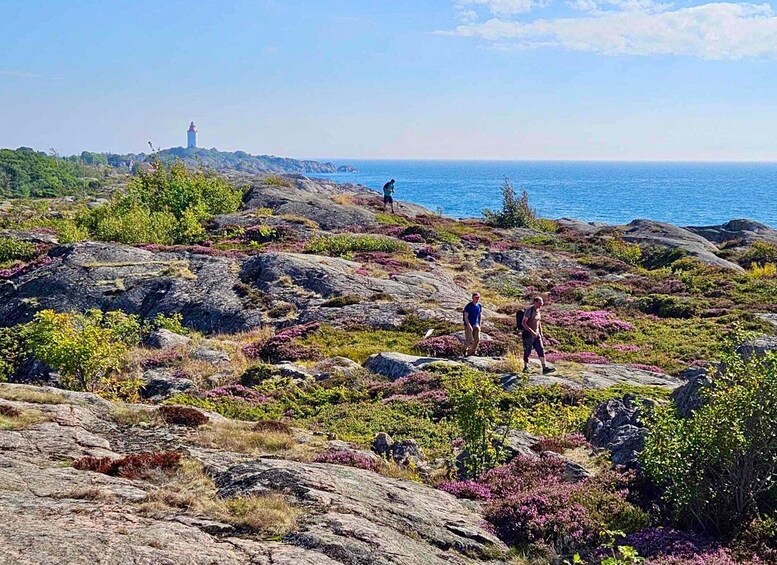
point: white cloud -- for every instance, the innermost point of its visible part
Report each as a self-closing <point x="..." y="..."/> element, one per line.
<point x="496" y="7"/>
<point x="724" y="30"/>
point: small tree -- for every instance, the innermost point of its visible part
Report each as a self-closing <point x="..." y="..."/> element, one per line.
<point x="516" y="212"/>
<point x="475" y="399"/>
<point x="718" y="467"/>
<point x="85" y="348"/>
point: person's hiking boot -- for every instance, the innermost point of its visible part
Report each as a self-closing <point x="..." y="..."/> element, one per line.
<point x="526" y="369"/>
<point x="547" y="370"/>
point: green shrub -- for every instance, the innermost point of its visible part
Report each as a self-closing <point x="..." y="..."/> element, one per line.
<point x="630" y="253"/>
<point x="86" y="348"/>
<point x="658" y="257"/>
<point x="340" y="301"/>
<point x="474" y="397"/>
<point x="666" y="306"/>
<point x="759" y="253"/>
<point x="26" y="173"/>
<point x="344" y="244"/>
<point x="16" y="250"/>
<point x="13" y="351"/>
<point x="168" y="205"/>
<point x="515" y="213"/>
<point x="173" y="323"/>
<point x="718" y="468"/>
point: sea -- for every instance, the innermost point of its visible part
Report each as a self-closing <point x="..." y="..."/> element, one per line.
<point x="686" y="194"/>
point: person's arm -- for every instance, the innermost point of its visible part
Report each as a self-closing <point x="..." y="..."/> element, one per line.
<point x="466" y="320"/>
<point x="480" y="317"/>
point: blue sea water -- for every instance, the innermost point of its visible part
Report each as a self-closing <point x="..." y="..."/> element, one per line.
<point x="613" y="192"/>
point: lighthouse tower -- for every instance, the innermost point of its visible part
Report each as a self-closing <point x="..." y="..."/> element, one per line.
<point x="191" y="137"/>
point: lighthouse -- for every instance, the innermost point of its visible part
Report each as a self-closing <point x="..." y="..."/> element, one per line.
<point x="191" y="137"/>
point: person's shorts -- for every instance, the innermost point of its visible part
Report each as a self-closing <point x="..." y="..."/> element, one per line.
<point x="530" y="342"/>
<point x="388" y="199"/>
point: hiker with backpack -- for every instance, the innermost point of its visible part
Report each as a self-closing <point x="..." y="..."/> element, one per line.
<point x="530" y="324"/>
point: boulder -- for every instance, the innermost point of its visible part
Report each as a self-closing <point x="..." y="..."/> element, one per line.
<point x="605" y="376"/>
<point x="531" y="262"/>
<point x="212" y="356"/>
<point x="649" y="232"/>
<point x="687" y="398"/>
<point x="515" y="442"/>
<point x="336" y="367"/>
<point x="110" y="276"/>
<point x="616" y="426"/>
<point x="394" y="365"/>
<point x="165" y="339"/>
<point x="161" y="384"/>
<point x="742" y="232"/>
<point x="760" y="346"/>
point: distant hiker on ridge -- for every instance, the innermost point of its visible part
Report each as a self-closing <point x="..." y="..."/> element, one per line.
<point x="388" y="190"/>
<point x="472" y="317"/>
<point x="530" y="322"/>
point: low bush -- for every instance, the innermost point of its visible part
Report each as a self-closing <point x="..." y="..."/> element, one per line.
<point x="759" y="253"/>
<point x="182" y="416"/>
<point x="340" y="301"/>
<point x="665" y="306"/>
<point x="272" y="426"/>
<point x="718" y="468"/>
<point x="445" y="346"/>
<point x="135" y="466"/>
<point x="344" y="244"/>
<point x="516" y="211"/>
<point x="657" y="257"/>
<point x="86" y="348"/>
<point x="347" y="458"/>
<point x="16" y="250"/>
<point x="280" y="347"/>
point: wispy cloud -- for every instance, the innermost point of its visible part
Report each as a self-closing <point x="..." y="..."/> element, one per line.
<point x="719" y="30"/>
<point x="21" y="74"/>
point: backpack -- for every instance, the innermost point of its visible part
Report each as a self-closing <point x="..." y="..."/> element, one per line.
<point x="519" y="319"/>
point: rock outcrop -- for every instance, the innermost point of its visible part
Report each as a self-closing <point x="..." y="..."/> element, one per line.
<point x="739" y="232"/>
<point x="616" y="427"/>
<point x="51" y="512"/>
<point x="649" y="232"/>
<point x="119" y="277"/>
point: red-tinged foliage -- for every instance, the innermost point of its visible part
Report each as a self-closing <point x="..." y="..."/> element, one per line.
<point x="182" y="416"/>
<point x="135" y="466"/>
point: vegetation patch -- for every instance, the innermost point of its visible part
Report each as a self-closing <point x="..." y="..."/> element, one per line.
<point x="182" y="416"/>
<point x="135" y="466"/>
<point x="343" y="245"/>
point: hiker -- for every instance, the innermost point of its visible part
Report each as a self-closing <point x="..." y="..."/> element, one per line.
<point x="388" y="190"/>
<point x="473" y="314"/>
<point x="531" y="333"/>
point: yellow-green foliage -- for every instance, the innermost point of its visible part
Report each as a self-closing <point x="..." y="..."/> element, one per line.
<point x="358" y="345"/>
<point x="627" y="252"/>
<point x="16" y="250"/>
<point x="170" y="204"/>
<point x="391" y="219"/>
<point x="765" y="271"/>
<point x="345" y="243"/>
<point x="86" y="348"/>
<point x="277" y="180"/>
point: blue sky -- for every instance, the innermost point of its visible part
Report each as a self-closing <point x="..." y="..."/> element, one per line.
<point x="446" y="79"/>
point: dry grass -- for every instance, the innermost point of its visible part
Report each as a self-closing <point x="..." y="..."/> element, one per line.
<point x="241" y="437"/>
<point x="134" y="415"/>
<point x="344" y="199"/>
<point x="21" y="394"/>
<point x="268" y="514"/>
<point x="301" y="220"/>
<point x="21" y="420"/>
<point x="192" y="490"/>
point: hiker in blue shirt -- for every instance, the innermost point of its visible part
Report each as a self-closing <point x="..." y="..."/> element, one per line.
<point x="388" y="191"/>
<point x="473" y="314"/>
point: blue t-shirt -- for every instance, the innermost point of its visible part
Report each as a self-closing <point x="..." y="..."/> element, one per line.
<point x="473" y="313"/>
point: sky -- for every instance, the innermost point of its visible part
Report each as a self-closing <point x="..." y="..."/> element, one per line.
<point x="415" y="79"/>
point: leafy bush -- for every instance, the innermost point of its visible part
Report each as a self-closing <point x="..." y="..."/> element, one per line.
<point x="280" y="346"/>
<point x="13" y="351"/>
<point x="630" y="253"/>
<point x="475" y="400"/>
<point x="446" y="346"/>
<point x="718" y="468"/>
<point x="658" y="257"/>
<point x="765" y="271"/>
<point x="86" y="348"/>
<point x="515" y="213"/>
<point x="665" y="306"/>
<point x="759" y="253"/>
<point x="340" y="245"/>
<point x="168" y="205"/>
<point x="16" y="250"/>
<point x="173" y="323"/>
<point x="182" y="416"/>
<point x="340" y="301"/>
<point x="135" y="466"/>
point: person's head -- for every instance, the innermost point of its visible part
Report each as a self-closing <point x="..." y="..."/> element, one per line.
<point x="392" y="181"/>
<point x="538" y="302"/>
<point x="475" y="297"/>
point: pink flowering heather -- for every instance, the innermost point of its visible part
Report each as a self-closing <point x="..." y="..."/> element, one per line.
<point x="413" y="238"/>
<point x="427" y="251"/>
<point x="560" y="444"/>
<point x="567" y="289"/>
<point x="23" y="268"/>
<point x="441" y="346"/>
<point x="595" y="319"/>
<point x="471" y="490"/>
<point x="664" y="546"/>
<point x="585" y="357"/>
<point x="347" y="458"/>
<point x="236" y="391"/>
<point x="280" y="347"/>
